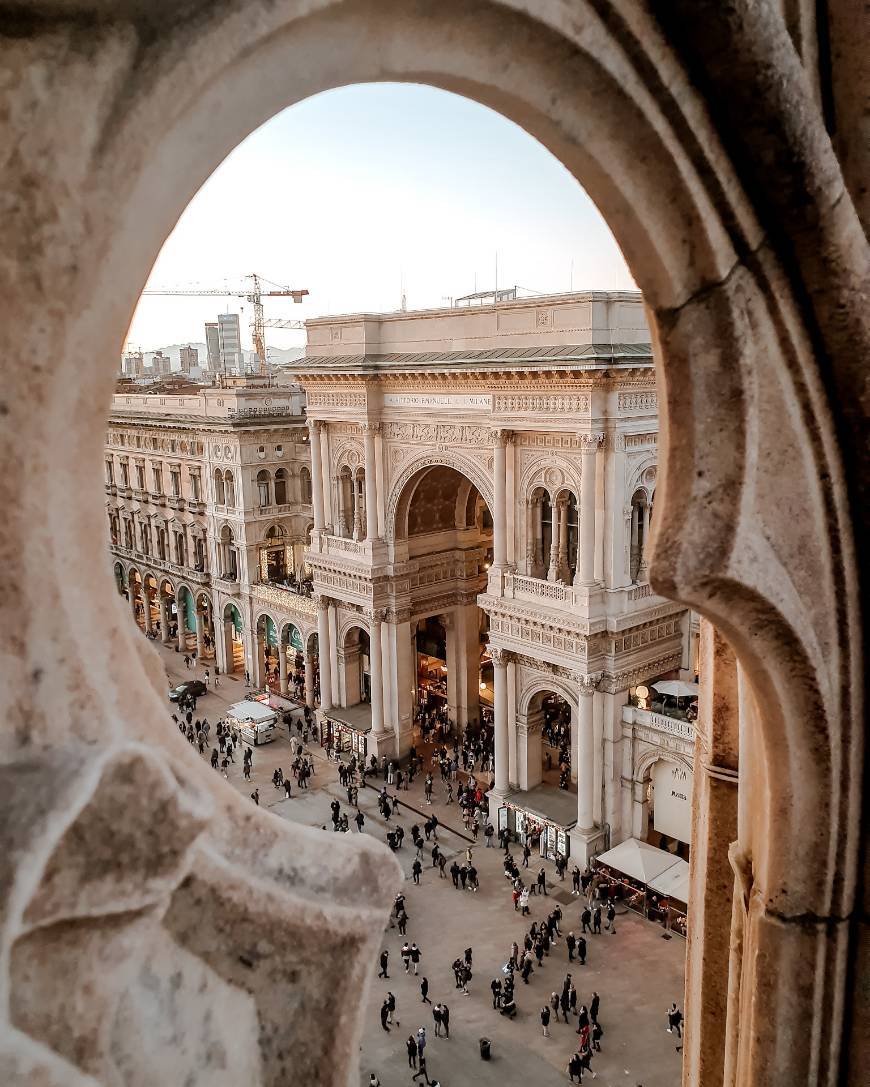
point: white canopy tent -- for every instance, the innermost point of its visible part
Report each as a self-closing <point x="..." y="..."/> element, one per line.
<point x="676" y="688"/>
<point x="251" y="711"/>
<point x="638" y="860"/>
<point x="673" y="882"/>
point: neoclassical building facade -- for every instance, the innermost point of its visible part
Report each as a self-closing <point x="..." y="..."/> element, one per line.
<point x="494" y="470"/>
<point x="208" y="500"/>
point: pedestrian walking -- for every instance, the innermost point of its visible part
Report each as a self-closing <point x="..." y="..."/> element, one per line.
<point x="445" y="1019"/>
<point x="436" y="1015"/>
<point x="385" y="1011"/>
<point x="411" y="1047"/>
<point x="596" y="921"/>
<point x="611" y="919"/>
<point x="586" y="920"/>
<point x="594" y="1005"/>
<point x="581" y="949"/>
<point x="384" y="961"/>
<point x="415" y="957"/>
<point x="545" y="1020"/>
<point x="255" y="796"/>
<point x="675" y="1021"/>
<point x="424" y="990"/>
<point x="416" y="869"/>
<point x="571" y="944"/>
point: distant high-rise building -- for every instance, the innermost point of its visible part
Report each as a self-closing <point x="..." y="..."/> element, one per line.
<point x="189" y="358"/>
<point x="133" y="364"/>
<point x="230" y="337"/>
<point x="212" y="346"/>
<point x="161" y="364"/>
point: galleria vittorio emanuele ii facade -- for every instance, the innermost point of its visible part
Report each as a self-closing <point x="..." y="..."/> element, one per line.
<point x="482" y="482"/>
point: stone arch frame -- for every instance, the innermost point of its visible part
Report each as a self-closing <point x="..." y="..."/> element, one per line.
<point x="782" y="290"/>
<point x="533" y="478"/>
<point x="239" y="611"/>
<point x="546" y="683"/>
<point x="341" y="460"/>
<point x="658" y="754"/>
<point x="461" y="463"/>
<point x="347" y="623"/>
<point x="635" y="479"/>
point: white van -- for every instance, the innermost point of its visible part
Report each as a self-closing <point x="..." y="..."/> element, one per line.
<point x="258" y="723"/>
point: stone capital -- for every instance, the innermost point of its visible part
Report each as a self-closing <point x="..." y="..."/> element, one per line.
<point x="500" y="656"/>
<point x="588" y="684"/>
<point x="590" y="443"/>
<point x="316" y="425"/>
<point x="323" y="603"/>
<point x="370" y="428"/>
<point x="376" y="615"/>
<point x="502" y="436"/>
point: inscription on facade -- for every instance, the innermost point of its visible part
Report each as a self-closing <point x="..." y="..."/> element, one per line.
<point x="479" y="401"/>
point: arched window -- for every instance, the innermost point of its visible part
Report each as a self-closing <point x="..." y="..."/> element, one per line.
<point x="228" y="555"/>
<point x="263" y="488"/>
<point x="305" y="485"/>
<point x="230" y="488"/>
<point x="281" y="487"/>
<point x="219" y="492"/>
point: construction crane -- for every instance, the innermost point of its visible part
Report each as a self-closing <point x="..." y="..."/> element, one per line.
<point x="255" y="295"/>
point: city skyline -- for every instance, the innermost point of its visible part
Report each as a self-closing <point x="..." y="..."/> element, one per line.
<point x="453" y="192"/>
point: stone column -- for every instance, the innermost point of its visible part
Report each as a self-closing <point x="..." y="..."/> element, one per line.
<point x="260" y="670"/>
<point x="586" y="561"/>
<point x="324" y="653"/>
<point x="200" y="632"/>
<point x="711" y="879"/>
<point x="314" y="426"/>
<point x="586" y="754"/>
<point x="180" y="614"/>
<point x="164" y="619"/>
<point x="376" y="672"/>
<point x="343" y="524"/>
<point x="229" y="645"/>
<point x="644" y="557"/>
<point x="531" y="515"/>
<point x="282" y="665"/>
<point x="369" y="432"/>
<point x="563" y="567"/>
<point x="499" y="668"/>
<point x="553" y="568"/>
<point x="499" y="513"/>
<point x="309" y="680"/>
<point x="146" y="602"/>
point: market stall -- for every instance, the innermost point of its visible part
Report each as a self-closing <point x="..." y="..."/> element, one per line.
<point x="647" y="880"/>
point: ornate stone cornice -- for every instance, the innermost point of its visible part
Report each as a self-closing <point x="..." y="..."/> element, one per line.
<point x="589" y="684"/>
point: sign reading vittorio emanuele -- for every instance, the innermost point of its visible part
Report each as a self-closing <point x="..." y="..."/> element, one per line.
<point x="438" y="400"/>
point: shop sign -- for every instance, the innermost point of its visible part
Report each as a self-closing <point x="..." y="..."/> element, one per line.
<point x="437" y="400"/>
<point x="502" y="818"/>
<point x="672" y="800"/>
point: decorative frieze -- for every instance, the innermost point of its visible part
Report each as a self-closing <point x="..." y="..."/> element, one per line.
<point x="550" y="403"/>
<point x="324" y="398"/>
<point x="638" y="401"/>
<point x="454" y="433"/>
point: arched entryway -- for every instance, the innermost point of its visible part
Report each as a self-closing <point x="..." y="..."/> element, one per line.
<point x="441" y="519"/>
<point x="266" y="660"/>
<point x="234" y="644"/>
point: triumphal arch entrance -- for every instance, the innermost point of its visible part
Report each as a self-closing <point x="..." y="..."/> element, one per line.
<point x="483" y="487"/>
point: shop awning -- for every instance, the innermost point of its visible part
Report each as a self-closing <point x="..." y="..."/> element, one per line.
<point x="673" y="882"/>
<point x="638" y="860"/>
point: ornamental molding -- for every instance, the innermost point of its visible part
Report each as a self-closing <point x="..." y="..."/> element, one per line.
<point x="589" y="684"/>
<point x="326" y="398"/>
<point x="638" y="401"/>
<point x="615" y="682"/>
<point x="552" y="403"/>
<point x="551" y="442"/>
<point x="434" y="433"/>
<point x="590" y="443"/>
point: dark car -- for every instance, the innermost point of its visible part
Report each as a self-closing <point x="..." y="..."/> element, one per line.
<point x="191" y="688"/>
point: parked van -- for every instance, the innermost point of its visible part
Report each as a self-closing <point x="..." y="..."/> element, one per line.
<point x="257" y="722"/>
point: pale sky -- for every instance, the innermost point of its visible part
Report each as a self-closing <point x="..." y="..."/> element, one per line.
<point x="358" y="190"/>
